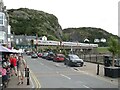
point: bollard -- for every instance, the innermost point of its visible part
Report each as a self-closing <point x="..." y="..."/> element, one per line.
<point x="27" y="74"/>
<point x="98" y="69"/>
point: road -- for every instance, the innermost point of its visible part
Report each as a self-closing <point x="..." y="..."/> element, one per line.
<point x="56" y="75"/>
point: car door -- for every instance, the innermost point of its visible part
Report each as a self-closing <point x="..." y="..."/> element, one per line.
<point x="66" y="60"/>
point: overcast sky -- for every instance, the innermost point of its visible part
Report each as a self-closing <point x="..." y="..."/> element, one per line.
<point x="76" y="13"/>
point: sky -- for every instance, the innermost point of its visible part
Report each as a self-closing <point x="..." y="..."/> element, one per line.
<point x="76" y="13"/>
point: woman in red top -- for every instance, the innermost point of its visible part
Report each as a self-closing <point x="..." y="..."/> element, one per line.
<point x="13" y="65"/>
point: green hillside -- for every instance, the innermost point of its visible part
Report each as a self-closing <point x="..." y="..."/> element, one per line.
<point x="32" y="22"/>
<point x="80" y="34"/>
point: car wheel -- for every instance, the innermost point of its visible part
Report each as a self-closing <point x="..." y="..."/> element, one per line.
<point x="81" y="65"/>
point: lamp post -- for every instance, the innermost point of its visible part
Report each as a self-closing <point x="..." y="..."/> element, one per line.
<point x="81" y="50"/>
<point x="36" y="41"/>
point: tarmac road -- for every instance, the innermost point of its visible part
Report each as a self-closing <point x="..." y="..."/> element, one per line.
<point x="57" y="75"/>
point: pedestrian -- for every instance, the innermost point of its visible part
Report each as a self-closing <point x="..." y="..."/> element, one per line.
<point x="13" y="62"/>
<point x="4" y="74"/>
<point x="21" y="65"/>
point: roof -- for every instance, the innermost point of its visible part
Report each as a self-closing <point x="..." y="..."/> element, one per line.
<point x="60" y="55"/>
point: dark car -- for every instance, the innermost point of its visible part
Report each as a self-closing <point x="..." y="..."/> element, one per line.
<point x="29" y="53"/>
<point x="44" y="55"/>
<point x="73" y="60"/>
<point x="117" y="62"/>
<point x="34" y="55"/>
<point x="50" y="56"/>
<point x="59" y="57"/>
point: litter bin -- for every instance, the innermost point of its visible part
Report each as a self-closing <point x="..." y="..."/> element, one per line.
<point x="107" y="61"/>
<point x="113" y="72"/>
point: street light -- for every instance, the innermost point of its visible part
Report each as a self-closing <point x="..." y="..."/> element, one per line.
<point x="36" y="41"/>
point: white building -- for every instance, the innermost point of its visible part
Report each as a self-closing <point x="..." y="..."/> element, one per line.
<point x="43" y="38"/>
<point x="103" y="40"/>
<point x="5" y="30"/>
<point x="86" y="40"/>
<point x="96" y="40"/>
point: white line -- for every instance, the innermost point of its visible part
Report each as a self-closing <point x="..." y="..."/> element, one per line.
<point x="86" y="86"/>
<point x="65" y="76"/>
<point x="32" y="82"/>
<point x="57" y="72"/>
<point x="98" y="77"/>
<point x="57" y="64"/>
<point x="48" y="68"/>
<point x="41" y="63"/>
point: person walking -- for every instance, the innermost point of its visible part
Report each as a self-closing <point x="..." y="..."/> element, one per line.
<point x="21" y="65"/>
<point x="4" y="74"/>
<point x="13" y="62"/>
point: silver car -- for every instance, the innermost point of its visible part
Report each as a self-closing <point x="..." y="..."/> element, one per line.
<point x="73" y="60"/>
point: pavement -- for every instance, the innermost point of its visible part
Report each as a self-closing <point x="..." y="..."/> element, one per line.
<point x="91" y="69"/>
<point x="27" y="83"/>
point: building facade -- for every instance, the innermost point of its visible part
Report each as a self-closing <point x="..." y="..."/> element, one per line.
<point x="5" y="30"/>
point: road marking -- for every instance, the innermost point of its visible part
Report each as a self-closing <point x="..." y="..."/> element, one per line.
<point x="41" y="63"/>
<point x="57" y="72"/>
<point x="38" y="86"/>
<point x="32" y="82"/>
<point x="57" y="65"/>
<point x="76" y="69"/>
<point x="86" y="86"/>
<point x="98" y="77"/>
<point x="33" y="78"/>
<point x="65" y="76"/>
<point x="48" y="68"/>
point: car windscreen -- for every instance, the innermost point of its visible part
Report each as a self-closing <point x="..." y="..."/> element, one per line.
<point x="74" y="57"/>
<point x="51" y="54"/>
<point x="61" y="56"/>
<point x="45" y="54"/>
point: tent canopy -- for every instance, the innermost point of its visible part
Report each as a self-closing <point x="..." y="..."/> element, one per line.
<point x="4" y="49"/>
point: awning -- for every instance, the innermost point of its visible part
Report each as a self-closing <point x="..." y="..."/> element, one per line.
<point x="4" y="49"/>
<point x="16" y="51"/>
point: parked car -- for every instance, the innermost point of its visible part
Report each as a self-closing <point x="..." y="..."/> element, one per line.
<point x="34" y="55"/>
<point x="39" y="54"/>
<point x="117" y="62"/>
<point x="73" y="60"/>
<point x="29" y="53"/>
<point x="50" y="56"/>
<point x="45" y="55"/>
<point x="59" y="57"/>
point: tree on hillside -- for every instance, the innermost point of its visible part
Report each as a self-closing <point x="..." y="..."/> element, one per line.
<point x="114" y="48"/>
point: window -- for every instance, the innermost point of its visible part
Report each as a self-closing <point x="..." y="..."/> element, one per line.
<point x="17" y="41"/>
<point x="1" y="16"/>
<point x="20" y="40"/>
<point x="1" y="22"/>
<point x="1" y="19"/>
